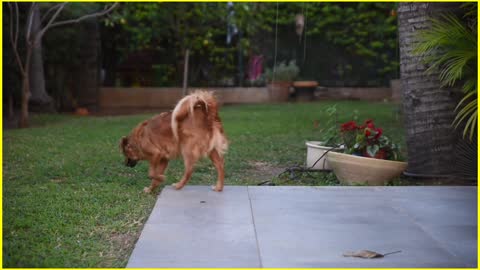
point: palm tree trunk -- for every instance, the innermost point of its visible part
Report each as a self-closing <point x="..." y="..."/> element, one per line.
<point x="428" y="109"/>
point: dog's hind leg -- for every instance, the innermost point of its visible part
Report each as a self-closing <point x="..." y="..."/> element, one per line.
<point x="155" y="172"/>
<point x="189" y="161"/>
<point x="218" y="162"/>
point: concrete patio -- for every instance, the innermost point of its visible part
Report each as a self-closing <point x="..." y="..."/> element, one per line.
<point x="310" y="227"/>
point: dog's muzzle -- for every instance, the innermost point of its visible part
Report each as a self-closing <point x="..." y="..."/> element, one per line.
<point x="130" y="162"/>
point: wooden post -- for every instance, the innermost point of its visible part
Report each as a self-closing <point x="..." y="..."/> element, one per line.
<point x="185" y="72"/>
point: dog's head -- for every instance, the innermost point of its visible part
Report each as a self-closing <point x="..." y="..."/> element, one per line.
<point x="129" y="151"/>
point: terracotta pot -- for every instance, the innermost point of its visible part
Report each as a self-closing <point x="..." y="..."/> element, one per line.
<point x="279" y="91"/>
<point x="351" y="169"/>
<point x="81" y="111"/>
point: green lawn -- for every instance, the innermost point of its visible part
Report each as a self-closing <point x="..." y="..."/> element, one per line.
<point x="68" y="201"/>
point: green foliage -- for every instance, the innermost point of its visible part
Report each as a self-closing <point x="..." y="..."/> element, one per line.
<point x="365" y="30"/>
<point x="171" y="28"/>
<point x="449" y="46"/>
<point x="282" y="72"/>
<point x="163" y="73"/>
<point x="329" y="133"/>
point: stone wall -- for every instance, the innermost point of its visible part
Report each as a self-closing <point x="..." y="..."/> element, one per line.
<point x="355" y="93"/>
<point x="113" y="100"/>
<point x="117" y="100"/>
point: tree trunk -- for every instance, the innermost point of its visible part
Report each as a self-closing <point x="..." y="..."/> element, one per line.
<point x="23" y="120"/>
<point x="428" y="109"/>
<point x="185" y="72"/>
<point x="39" y="99"/>
<point x="10" y="106"/>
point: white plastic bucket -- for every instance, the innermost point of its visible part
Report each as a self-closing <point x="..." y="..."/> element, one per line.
<point x="314" y="151"/>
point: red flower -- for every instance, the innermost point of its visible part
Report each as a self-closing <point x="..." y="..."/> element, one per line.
<point x="379" y="133"/>
<point x="368" y="123"/>
<point x="349" y="126"/>
<point x="367" y="132"/>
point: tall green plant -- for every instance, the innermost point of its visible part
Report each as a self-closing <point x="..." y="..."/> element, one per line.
<point x="450" y="47"/>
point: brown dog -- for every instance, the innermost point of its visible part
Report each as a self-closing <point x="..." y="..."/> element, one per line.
<point x="193" y="130"/>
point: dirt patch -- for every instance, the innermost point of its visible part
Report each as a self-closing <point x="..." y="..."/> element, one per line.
<point x="58" y="180"/>
<point x="121" y="245"/>
<point x="123" y="240"/>
<point x="262" y="170"/>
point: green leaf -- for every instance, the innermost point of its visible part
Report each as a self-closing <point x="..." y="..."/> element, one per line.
<point x="372" y="150"/>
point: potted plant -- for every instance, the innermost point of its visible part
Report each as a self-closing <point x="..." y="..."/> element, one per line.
<point x="369" y="156"/>
<point x="316" y="150"/>
<point x="280" y="79"/>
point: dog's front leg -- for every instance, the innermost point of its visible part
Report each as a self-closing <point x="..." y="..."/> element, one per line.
<point x="154" y="184"/>
<point x="155" y="172"/>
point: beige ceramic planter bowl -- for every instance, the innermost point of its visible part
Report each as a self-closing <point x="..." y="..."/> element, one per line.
<point x="351" y="169"/>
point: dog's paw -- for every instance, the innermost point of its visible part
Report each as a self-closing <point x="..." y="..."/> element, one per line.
<point x="217" y="189"/>
<point x="177" y="186"/>
<point x="147" y="190"/>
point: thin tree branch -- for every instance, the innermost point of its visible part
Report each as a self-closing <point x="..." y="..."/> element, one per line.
<point x="14" y="37"/>
<point x="39" y="35"/>
<point x="17" y="31"/>
<point x="50" y="10"/>
<point x="84" y="17"/>
<point x="29" y="22"/>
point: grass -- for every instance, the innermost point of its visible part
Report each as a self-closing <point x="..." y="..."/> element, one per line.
<point x="68" y="201"/>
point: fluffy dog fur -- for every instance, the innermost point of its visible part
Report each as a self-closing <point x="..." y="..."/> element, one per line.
<point x="193" y="130"/>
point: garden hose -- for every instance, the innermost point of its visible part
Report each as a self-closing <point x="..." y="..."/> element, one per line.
<point x="295" y="169"/>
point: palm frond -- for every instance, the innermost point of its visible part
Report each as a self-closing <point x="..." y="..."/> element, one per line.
<point x="464" y="112"/>
<point x="470" y="85"/>
<point x="465" y="152"/>
<point x="471" y="124"/>
<point x="468" y="113"/>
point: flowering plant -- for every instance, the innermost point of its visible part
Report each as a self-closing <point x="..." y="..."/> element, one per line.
<point x="367" y="140"/>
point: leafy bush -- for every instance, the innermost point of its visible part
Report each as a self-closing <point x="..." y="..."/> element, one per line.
<point x="283" y="72"/>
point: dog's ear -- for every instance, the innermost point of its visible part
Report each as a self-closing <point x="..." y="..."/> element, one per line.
<point x="123" y="143"/>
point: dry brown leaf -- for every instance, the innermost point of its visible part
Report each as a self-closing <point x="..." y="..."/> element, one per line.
<point x="366" y="254"/>
<point x="58" y="180"/>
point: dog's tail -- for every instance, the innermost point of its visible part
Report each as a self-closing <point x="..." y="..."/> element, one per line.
<point x="186" y="107"/>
